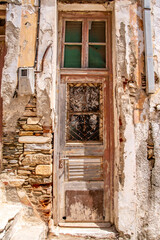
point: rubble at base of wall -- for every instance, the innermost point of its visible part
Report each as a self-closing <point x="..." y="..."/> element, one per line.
<point x="18" y="218"/>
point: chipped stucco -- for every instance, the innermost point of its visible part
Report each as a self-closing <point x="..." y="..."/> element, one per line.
<point x="46" y="80"/>
<point x="9" y="78"/>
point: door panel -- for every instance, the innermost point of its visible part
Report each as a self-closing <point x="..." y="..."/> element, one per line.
<point x="84" y="206"/>
<point x="83" y="163"/>
<point x="84" y="202"/>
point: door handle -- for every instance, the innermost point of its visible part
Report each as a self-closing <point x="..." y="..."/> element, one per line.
<point x="61" y="162"/>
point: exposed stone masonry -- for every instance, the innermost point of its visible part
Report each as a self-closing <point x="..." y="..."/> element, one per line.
<point x="150" y="150"/>
<point x="28" y="154"/>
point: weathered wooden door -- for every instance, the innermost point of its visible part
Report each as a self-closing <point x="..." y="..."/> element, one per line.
<point x="85" y="120"/>
<point x="84" y="160"/>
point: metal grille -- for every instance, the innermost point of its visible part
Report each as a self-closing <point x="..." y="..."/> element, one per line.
<point x="84" y="169"/>
<point x="84" y="112"/>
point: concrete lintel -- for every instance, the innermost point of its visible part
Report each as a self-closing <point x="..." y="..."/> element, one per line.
<point x="82" y="7"/>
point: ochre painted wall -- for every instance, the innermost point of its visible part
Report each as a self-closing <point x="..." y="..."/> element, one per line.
<point x="28" y="31"/>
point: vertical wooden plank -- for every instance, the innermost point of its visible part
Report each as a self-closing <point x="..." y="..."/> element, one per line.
<point x="107" y="170"/>
<point x="63" y="22"/>
<point x="86" y="34"/>
<point x="111" y="119"/>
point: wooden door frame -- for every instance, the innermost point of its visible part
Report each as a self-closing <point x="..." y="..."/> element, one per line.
<point x="63" y="74"/>
<point x="2" y="55"/>
<point x="3" y="51"/>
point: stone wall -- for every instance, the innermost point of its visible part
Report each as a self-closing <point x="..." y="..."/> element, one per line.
<point x="27" y="153"/>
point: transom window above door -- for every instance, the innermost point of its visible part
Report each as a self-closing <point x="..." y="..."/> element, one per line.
<point x="84" y="43"/>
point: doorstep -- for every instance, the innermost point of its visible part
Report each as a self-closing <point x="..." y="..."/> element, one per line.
<point x="85" y="225"/>
<point x="96" y="233"/>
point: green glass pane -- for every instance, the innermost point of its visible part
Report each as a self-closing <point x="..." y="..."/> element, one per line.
<point x="97" y="32"/>
<point x="72" y="56"/>
<point x="73" y="32"/>
<point x="97" y="56"/>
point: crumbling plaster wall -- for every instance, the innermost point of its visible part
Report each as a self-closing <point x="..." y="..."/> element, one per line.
<point x="154" y="115"/>
<point x="137" y="207"/>
<point x="9" y="78"/>
<point x="127" y="55"/>
<point x="18" y="47"/>
<point x="27" y="140"/>
<point x="46" y="80"/>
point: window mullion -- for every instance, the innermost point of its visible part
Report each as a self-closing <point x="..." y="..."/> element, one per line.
<point x="85" y="44"/>
<point x="63" y="41"/>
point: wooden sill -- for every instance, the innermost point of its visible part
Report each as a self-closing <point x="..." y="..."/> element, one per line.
<point x="84" y="143"/>
<point x="84" y="71"/>
<point x="85" y="224"/>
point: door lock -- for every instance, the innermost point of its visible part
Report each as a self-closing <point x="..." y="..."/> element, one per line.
<point x="61" y="162"/>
